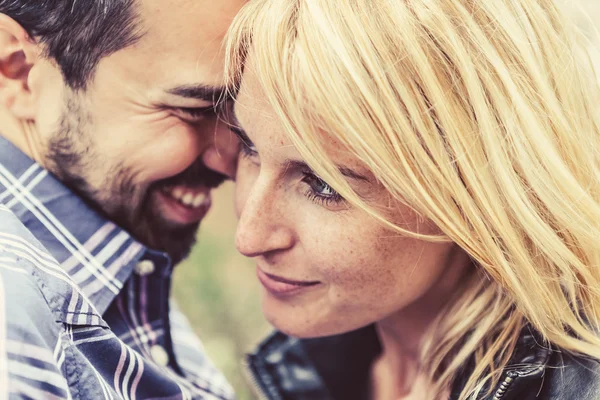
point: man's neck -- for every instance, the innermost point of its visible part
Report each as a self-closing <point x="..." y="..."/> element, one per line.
<point x="21" y="133"/>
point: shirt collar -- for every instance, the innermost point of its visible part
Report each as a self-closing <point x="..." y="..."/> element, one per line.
<point x="97" y="254"/>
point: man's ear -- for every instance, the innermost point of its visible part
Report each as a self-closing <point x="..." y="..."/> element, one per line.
<point x="18" y="54"/>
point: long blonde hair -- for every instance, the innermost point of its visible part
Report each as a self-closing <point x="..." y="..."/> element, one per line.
<point x="481" y="115"/>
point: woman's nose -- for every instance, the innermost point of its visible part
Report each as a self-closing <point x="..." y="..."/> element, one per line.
<point x="262" y="227"/>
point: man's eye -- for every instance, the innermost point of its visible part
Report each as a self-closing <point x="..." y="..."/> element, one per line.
<point x="195" y="113"/>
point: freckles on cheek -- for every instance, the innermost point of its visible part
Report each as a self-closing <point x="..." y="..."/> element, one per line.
<point x="345" y="266"/>
<point x="367" y="266"/>
<point x="348" y="256"/>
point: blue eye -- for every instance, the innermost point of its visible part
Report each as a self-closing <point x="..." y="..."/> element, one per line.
<point x="319" y="191"/>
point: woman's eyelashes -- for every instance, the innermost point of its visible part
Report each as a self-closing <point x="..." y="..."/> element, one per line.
<point x="319" y="191"/>
<point x="247" y="149"/>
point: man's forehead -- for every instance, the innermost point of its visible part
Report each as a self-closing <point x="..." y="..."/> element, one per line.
<point x="181" y="46"/>
<point x="191" y="21"/>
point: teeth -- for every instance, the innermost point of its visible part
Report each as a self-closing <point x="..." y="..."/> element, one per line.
<point x="177" y="193"/>
<point x="188" y="199"/>
<point x="198" y="200"/>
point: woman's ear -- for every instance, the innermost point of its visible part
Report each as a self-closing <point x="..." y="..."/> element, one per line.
<point x="18" y="55"/>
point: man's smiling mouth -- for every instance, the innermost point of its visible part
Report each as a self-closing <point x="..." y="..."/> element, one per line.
<point x="189" y="197"/>
<point x="184" y="205"/>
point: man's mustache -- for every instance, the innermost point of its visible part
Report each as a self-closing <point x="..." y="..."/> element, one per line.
<point x="195" y="175"/>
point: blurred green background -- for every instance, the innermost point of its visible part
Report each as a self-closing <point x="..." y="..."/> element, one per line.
<point x="218" y="291"/>
<point x="217" y="288"/>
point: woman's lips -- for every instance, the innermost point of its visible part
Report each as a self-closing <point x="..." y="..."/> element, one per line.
<point x="279" y="286"/>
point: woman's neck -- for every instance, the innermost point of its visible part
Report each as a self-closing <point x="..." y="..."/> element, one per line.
<point x="398" y="373"/>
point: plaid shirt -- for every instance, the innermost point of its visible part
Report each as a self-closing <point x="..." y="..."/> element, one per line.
<point x="84" y="308"/>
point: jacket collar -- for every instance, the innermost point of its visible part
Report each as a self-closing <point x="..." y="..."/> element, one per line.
<point x="524" y="371"/>
<point x="335" y="367"/>
<point x="338" y="367"/>
<point x="98" y="255"/>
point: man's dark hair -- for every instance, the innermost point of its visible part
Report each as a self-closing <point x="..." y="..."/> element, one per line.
<point x="77" y="34"/>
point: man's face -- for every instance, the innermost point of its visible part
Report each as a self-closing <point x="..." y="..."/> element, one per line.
<point x="134" y="142"/>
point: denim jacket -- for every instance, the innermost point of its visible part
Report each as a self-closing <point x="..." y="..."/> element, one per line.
<point x="338" y="368"/>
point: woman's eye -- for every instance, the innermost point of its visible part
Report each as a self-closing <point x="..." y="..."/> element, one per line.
<point x="322" y="188"/>
<point x="247" y="149"/>
<point x="320" y="191"/>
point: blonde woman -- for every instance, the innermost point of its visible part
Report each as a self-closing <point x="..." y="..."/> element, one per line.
<point x="419" y="184"/>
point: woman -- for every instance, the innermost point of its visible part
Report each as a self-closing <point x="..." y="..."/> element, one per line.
<point x="420" y="187"/>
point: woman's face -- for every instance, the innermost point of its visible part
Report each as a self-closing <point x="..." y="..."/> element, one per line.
<point x="327" y="267"/>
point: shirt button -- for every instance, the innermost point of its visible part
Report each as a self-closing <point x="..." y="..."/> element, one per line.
<point x="144" y="268"/>
<point x="159" y="355"/>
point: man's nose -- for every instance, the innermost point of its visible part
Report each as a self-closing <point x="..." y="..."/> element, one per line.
<point x="222" y="153"/>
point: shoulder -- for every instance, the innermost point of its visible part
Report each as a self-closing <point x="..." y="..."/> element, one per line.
<point x="572" y="377"/>
<point x="29" y="329"/>
<point x="30" y="280"/>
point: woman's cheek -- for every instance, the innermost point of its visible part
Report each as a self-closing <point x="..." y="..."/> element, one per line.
<point x="330" y="253"/>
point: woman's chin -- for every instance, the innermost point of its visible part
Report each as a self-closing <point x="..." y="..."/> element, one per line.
<point x="303" y="331"/>
<point x="292" y="322"/>
<point x="304" y="323"/>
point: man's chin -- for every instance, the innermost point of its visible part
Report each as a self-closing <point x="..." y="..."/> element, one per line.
<point x="165" y="223"/>
<point x="176" y="242"/>
<point x="165" y="235"/>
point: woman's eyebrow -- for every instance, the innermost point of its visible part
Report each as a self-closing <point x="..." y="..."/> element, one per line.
<point x="347" y="172"/>
<point x="235" y="127"/>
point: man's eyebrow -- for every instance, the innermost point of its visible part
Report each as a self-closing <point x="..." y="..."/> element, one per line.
<point x="347" y="172"/>
<point x="213" y="94"/>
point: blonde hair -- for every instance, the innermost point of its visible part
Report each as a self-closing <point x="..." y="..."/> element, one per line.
<point x="480" y="115"/>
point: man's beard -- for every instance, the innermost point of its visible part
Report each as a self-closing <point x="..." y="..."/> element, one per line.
<point x="71" y="157"/>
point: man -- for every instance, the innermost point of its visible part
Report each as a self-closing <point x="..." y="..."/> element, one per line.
<point x="109" y="147"/>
